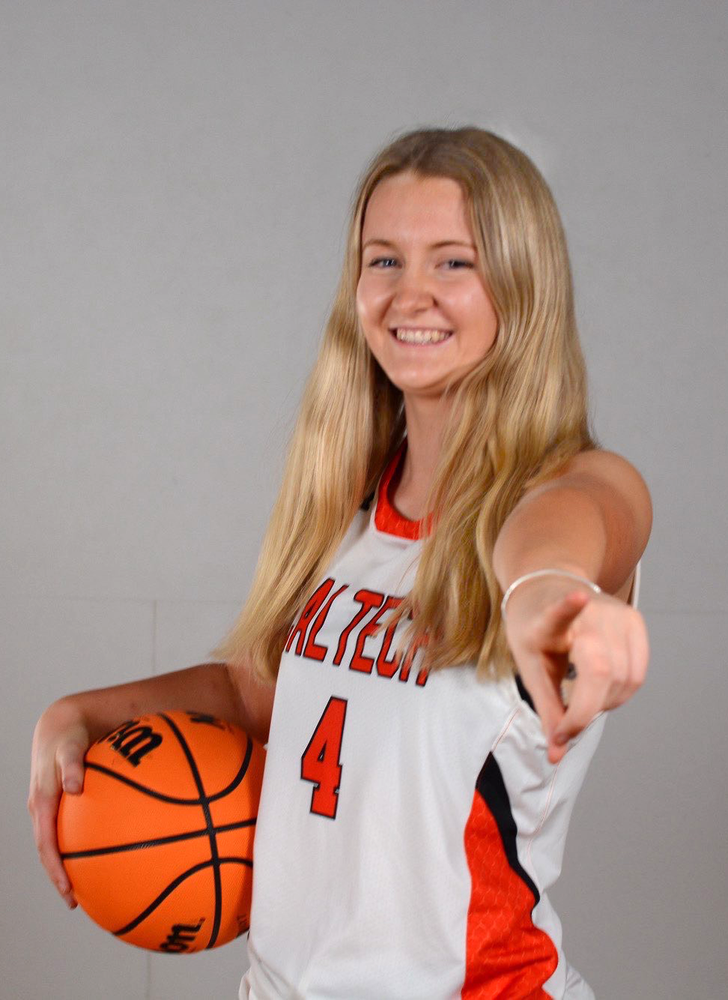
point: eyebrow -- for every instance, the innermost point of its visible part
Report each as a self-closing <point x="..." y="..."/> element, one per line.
<point x="433" y="246"/>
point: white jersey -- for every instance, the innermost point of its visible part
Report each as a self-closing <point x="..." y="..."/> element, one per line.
<point x="409" y="825"/>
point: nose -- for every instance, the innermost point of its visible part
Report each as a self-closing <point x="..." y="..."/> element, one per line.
<point x="413" y="292"/>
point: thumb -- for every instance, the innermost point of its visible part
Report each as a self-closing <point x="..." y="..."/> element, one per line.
<point x="70" y="763"/>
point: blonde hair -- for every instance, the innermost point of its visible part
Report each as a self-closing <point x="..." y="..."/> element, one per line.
<point x="516" y="418"/>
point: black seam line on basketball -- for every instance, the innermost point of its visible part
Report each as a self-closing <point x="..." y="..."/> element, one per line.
<point x="96" y="852"/>
<point x="172" y="886"/>
<point x="492" y="789"/>
<point x="174" y="799"/>
<point x="205" y="806"/>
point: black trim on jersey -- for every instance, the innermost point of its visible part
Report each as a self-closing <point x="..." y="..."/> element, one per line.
<point x="492" y="789"/>
<point x="366" y="503"/>
<point x="524" y="693"/>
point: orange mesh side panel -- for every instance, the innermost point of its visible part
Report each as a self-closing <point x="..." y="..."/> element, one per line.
<point x="506" y="956"/>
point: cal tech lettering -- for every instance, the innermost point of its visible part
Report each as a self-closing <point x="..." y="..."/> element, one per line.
<point x="376" y="659"/>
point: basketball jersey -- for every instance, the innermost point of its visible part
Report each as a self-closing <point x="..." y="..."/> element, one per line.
<point x="409" y="824"/>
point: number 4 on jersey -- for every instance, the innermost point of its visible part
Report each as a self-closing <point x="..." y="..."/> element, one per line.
<point x="321" y="761"/>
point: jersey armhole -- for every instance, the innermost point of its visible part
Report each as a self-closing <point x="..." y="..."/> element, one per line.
<point x="635" y="591"/>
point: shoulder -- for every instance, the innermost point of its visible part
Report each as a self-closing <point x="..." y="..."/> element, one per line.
<point x="604" y="464"/>
<point x="621" y="494"/>
<point x="610" y="477"/>
<point x="615" y="487"/>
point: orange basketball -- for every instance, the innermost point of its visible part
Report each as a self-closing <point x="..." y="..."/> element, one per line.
<point x="159" y="845"/>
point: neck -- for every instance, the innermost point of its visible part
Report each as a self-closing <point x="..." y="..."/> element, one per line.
<point x="425" y="420"/>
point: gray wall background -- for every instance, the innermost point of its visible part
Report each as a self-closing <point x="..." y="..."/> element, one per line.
<point x="175" y="178"/>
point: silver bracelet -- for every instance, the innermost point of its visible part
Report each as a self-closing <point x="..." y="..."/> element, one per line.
<point x="545" y="572"/>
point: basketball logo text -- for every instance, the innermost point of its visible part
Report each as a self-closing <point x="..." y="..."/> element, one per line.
<point x="133" y="741"/>
<point x="181" y="937"/>
<point x="206" y="720"/>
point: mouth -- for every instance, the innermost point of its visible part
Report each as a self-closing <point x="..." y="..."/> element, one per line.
<point x="420" y="336"/>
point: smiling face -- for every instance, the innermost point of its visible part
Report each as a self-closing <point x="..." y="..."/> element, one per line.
<point x="421" y="302"/>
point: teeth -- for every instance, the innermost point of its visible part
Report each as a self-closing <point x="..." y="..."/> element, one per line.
<point x="422" y="336"/>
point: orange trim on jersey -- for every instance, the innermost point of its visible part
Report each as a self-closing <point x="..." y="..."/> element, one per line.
<point x="386" y="517"/>
<point x="506" y="955"/>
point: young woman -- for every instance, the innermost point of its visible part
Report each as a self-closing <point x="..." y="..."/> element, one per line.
<point x="442" y="612"/>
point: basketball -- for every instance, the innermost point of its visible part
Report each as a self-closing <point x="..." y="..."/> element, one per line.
<point x="159" y="845"/>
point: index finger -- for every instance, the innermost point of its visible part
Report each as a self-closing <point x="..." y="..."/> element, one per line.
<point x="546" y="700"/>
<point x="587" y="699"/>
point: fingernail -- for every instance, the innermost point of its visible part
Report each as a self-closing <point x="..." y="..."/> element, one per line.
<point x="72" y="786"/>
<point x="560" y="739"/>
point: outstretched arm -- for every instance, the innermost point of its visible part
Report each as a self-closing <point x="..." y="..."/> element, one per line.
<point x="593" y="520"/>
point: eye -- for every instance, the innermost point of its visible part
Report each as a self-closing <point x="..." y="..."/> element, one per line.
<point x="458" y="264"/>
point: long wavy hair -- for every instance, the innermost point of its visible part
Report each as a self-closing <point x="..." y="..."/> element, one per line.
<point x="515" y="420"/>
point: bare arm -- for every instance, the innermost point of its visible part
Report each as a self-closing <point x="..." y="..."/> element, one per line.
<point x="593" y="520"/>
<point x="235" y="695"/>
